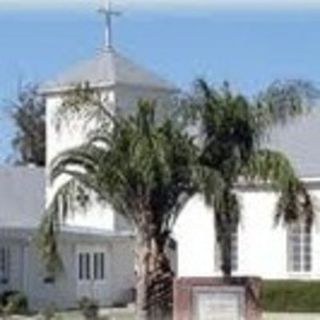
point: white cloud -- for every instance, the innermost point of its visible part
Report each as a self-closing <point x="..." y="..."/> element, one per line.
<point x="165" y="4"/>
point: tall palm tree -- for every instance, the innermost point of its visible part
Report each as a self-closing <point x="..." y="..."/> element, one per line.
<point x="232" y="132"/>
<point x="143" y="167"/>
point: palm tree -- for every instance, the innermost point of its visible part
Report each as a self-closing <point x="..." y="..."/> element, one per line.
<point x="143" y="167"/>
<point x="232" y="132"/>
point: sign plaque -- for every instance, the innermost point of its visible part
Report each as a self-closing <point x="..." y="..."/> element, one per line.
<point x="224" y="303"/>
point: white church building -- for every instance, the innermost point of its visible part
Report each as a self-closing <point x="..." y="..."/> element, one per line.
<point x="97" y="245"/>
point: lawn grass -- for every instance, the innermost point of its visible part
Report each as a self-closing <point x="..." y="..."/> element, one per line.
<point x="291" y="296"/>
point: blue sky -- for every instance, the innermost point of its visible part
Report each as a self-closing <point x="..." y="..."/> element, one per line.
<point x="248" y="47"/>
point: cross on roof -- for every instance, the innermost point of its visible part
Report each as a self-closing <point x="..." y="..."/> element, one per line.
<point x="108" y="14"/>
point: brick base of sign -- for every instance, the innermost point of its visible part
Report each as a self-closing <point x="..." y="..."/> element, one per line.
<point x="243" y="294"/>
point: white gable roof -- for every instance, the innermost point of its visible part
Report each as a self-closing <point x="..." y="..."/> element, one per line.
<point x="22" y="197"/>
<point x="107" y="68"/>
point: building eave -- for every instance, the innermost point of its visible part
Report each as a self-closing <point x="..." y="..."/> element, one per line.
<point x="55" y="90"/>
<point x="310" y="182"/>
<point x="66" y="234"/>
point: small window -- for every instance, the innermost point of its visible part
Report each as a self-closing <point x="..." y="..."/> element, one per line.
<point x="49" y="279"/>
<point x="91" y="266"/>
<point x="299" y="242"/>
<point x="234" y="251"/>
<point x="5" y="265"/>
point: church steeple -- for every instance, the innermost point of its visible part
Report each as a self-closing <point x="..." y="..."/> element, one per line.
<point x="108" y="68"/>
<point x="108" y="13"/>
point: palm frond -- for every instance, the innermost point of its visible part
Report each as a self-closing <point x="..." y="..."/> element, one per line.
<point x="269" y="166"/>
<point x="295" y="205"/>
<point x="47" y="234"/>
<point x="273" y="167"/>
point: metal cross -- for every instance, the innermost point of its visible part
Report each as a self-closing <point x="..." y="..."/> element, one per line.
<point x="108" y="14"/>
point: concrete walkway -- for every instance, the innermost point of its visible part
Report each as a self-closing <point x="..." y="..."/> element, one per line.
<point x="127" y="314"/>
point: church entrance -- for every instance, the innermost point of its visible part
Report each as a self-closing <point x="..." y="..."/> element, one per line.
<point x="93" y="273"/>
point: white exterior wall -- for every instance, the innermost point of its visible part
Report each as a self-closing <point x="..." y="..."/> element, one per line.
<point x="194" y="234"/>
<point x="262" y="246"/>
<point x="123" y="273"/>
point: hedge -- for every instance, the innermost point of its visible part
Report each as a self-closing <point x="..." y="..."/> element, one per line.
<point x="291" y="296"/>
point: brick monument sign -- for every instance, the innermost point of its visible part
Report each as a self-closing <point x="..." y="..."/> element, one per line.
<point x="237" y="298"/>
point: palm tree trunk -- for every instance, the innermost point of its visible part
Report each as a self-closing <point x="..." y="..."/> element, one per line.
<point x="161" y="280"/>
<point x="223" y="227"/>
<point x="225" y="243"/>
<point x="142" y="252"/>
<point x="154" y="279"/>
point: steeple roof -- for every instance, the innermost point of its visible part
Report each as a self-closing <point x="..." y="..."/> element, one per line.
<point x="107" y="68"/>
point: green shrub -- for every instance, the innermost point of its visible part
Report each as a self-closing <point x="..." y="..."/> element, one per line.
<point x="291" y="296"/>
<point x="89" y="308"/>
<point x="14" y="302"/>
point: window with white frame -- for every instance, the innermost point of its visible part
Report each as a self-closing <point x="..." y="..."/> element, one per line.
<point x="299" y="243"/>
<point x="4" y="265"/>
<point x="91" y="266"/>
<point x="234" y="251"/>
